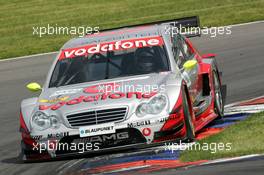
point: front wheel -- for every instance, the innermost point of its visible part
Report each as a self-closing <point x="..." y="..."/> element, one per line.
<point x="190" y="132"/>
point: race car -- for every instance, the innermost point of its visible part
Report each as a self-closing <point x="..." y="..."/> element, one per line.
<point x="123" y="88"/>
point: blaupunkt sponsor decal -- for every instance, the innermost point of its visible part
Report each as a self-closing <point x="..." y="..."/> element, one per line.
<point x="100" y="129"/>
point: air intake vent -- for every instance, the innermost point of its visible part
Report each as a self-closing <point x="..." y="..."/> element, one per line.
<point x="97" y="117"/>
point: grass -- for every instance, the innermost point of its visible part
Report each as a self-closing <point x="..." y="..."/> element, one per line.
<point x="19" y="17"/>
<point x="245" y="137"/>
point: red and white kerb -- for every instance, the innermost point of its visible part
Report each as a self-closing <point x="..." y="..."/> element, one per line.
<point x="111" y="46"/>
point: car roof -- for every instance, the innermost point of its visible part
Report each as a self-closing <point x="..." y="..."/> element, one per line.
<point x="117" y="34"/>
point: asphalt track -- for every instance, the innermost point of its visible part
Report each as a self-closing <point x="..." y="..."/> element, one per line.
<point x="240" y="57"/>
<point x="248" y="166"/>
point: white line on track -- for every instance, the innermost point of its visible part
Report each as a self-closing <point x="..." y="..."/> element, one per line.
<point x="128" y="169"/>
<point x="65" y="164"/>
<point x="27" y="56"/>
<point x="42" y="54"/>
<point x="69" y="164"/>
<point x="224" y="160"/>
<point x="243" y="101"/>
<point x="232" y="159"/>
<point x="243" y="24"/>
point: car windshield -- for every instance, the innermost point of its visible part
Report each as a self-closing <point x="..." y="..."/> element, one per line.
<point x="109" y="64"/>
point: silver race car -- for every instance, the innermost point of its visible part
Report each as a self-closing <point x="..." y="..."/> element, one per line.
<point x="133" y="87"/>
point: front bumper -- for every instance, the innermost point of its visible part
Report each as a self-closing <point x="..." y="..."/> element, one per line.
<point x="140" y="134"/>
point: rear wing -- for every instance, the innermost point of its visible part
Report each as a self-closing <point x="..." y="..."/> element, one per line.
<point x="187" y="24"/>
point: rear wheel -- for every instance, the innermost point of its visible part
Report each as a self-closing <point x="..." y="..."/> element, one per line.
<point x="190" y="132"/>
<point x="218" y="101"/>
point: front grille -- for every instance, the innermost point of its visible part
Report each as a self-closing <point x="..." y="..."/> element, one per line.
<point x="97" y="117"/>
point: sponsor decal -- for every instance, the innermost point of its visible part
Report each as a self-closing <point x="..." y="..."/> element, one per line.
<point x="67" y="91"/>
<point x="111" y="46"/>
<point x="98" y="97"/>
<point x="164" y="119"/>
<point x="55" y="100"/>
<point x="101" y="88"/>
<point x="58" y="135"/>
<point x="137" y="124"/>
<point x="146" y="131"/>
<point x="100" y="129"/>
<point x="104" y="138"/>
<point x="36" y="137"/>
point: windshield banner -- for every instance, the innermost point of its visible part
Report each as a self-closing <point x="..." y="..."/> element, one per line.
<point x="111" y="46"/>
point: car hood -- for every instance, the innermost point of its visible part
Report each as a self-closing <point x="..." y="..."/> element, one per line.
<point x="70" y="99"/>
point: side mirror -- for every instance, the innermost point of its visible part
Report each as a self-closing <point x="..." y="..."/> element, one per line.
<point x="190" y="64"/>
<point x="34" y="87"/>
<point x="209" y="55"/>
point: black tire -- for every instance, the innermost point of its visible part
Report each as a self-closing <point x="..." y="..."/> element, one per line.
<point x="190" y="132"/>
<point x="23" y="153"/>
<point x="218" y="101"/>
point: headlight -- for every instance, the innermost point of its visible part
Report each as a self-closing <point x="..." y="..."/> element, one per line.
<point x="155" y="106"/>
<point x="55" y="121"/>
<point x="41" y="121"/>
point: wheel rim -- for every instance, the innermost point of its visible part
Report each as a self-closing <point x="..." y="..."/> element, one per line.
<point x="218" y="95"/>
<point x="190" y="121"/>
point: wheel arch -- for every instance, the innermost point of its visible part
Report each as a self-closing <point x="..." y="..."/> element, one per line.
<point x="26" y="110"/>
<point x="207" y="67"/>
